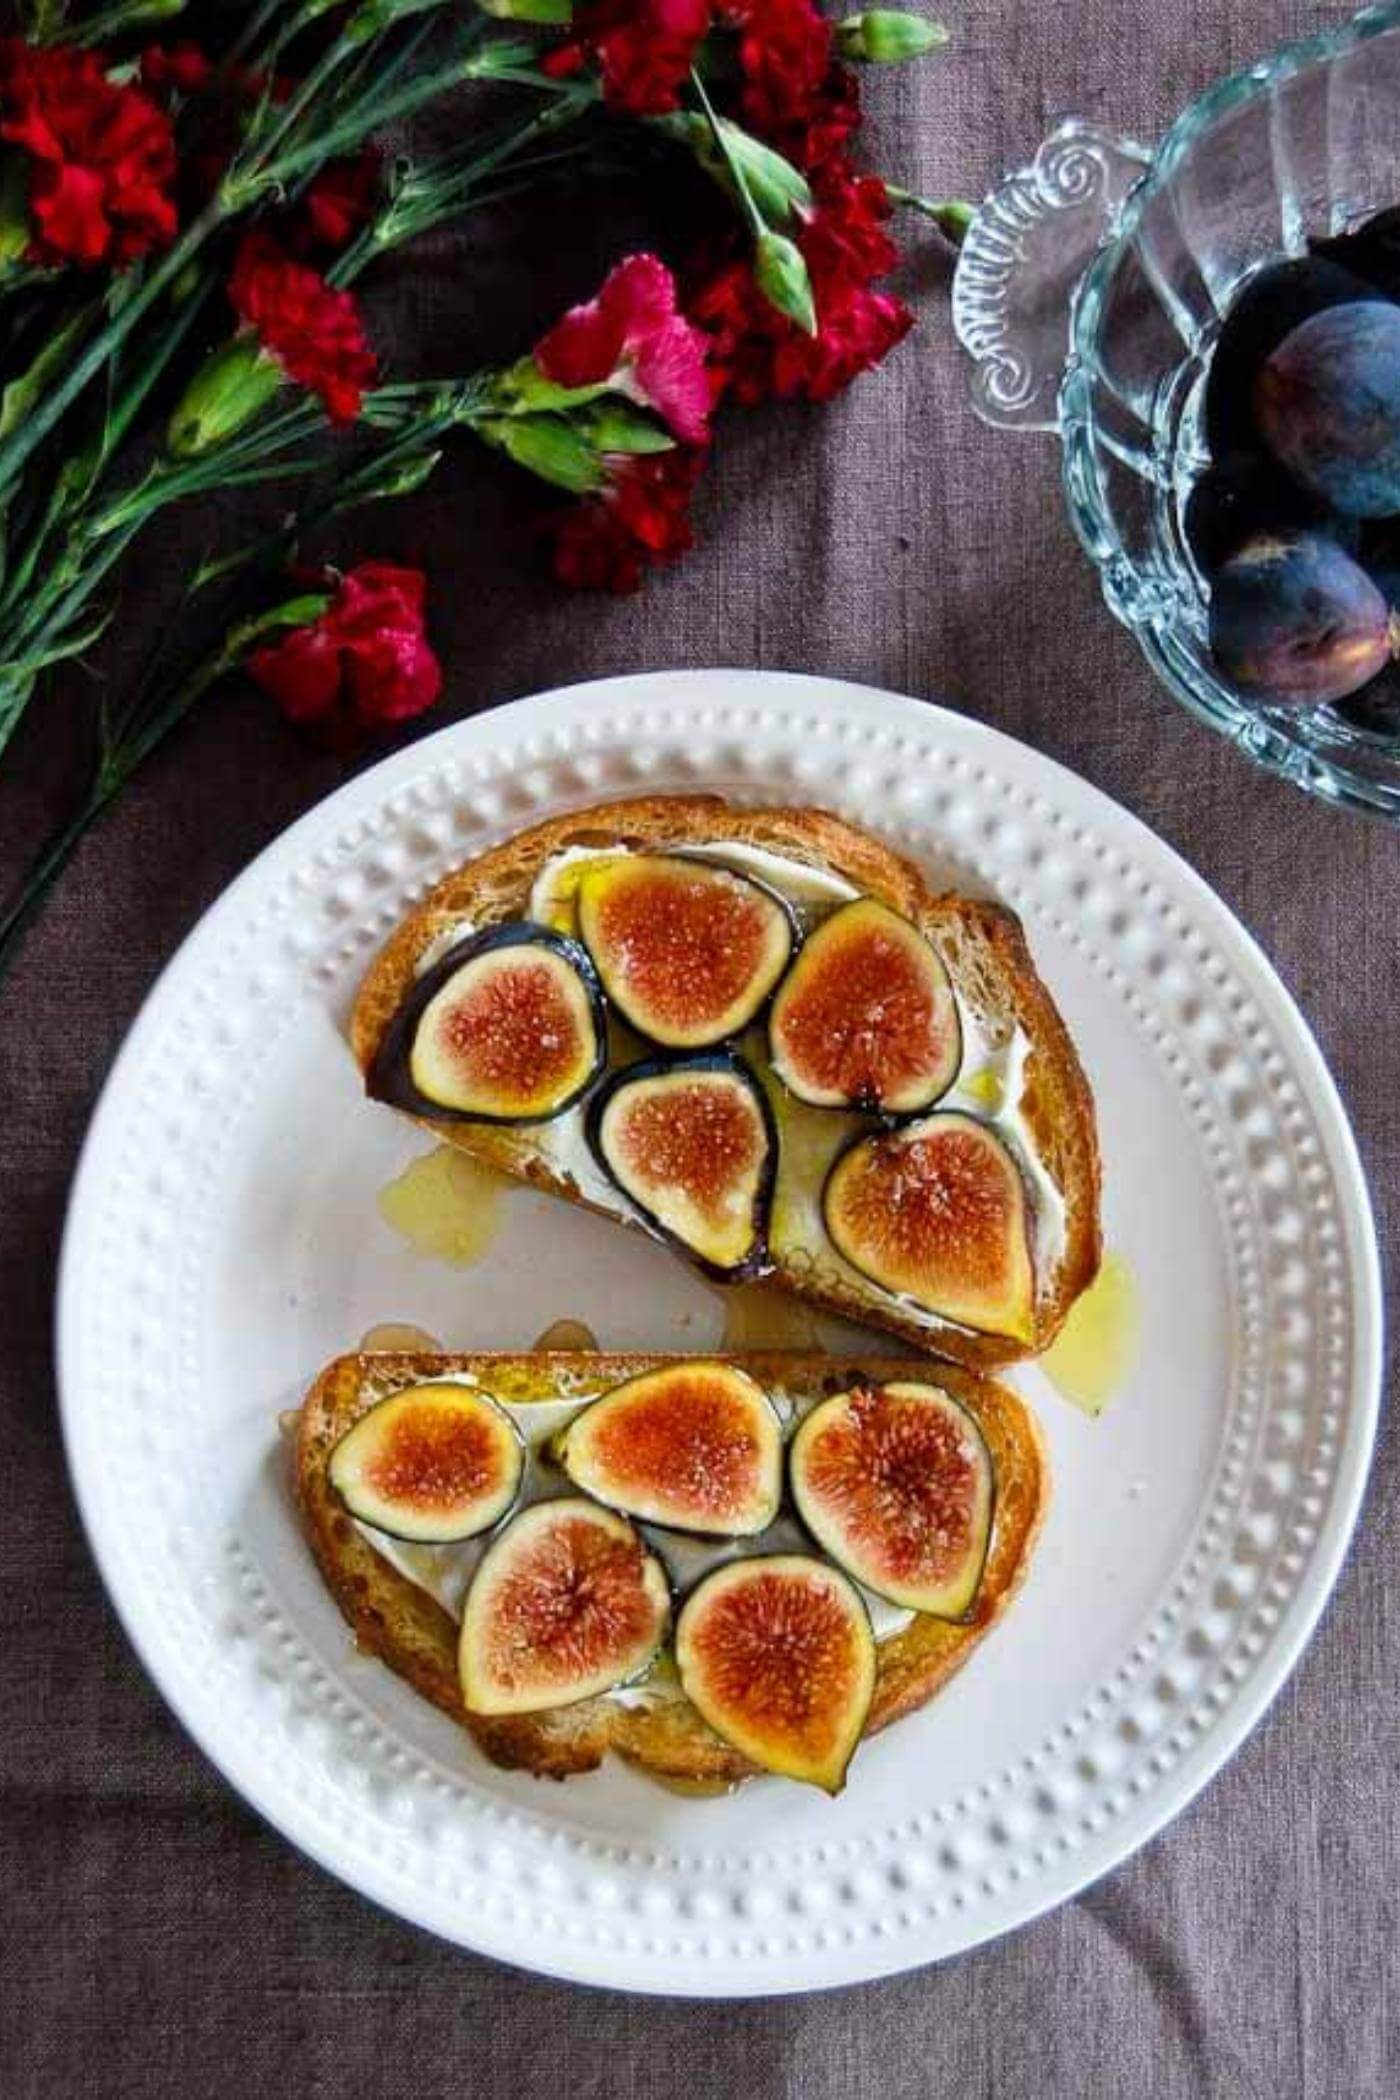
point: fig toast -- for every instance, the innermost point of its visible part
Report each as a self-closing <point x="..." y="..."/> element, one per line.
<point x="1006" y="1114"/>
<point x="394" y="1614"/>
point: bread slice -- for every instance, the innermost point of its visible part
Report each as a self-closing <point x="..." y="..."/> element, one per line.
<point x="395" y="1619"/>
<point x="981" y="944"/>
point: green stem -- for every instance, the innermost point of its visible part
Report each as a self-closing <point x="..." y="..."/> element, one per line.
<point x="16" y="449"/>
<point x="757" y="224"/>
<point x="115" y="20"/>
<point x="46" y="870"/>
<point x="351" y="132"/>
<point x="949" y="214"/>
<point x="443" y="190"/>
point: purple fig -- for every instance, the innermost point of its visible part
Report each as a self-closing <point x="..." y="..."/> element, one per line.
<point x="1269" y="307"/>
<point x="1327" y="404"/>
<point x="1294" y="619"/>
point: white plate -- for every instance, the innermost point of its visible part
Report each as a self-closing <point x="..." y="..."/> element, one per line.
<point x="224" y="1241"/>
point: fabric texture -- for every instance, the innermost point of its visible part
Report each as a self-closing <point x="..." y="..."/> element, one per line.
<point x="157" y="1938"/>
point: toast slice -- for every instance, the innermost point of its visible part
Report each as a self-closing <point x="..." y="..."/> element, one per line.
<point x="994" y="978"/>
<point x="393" y="1617"/>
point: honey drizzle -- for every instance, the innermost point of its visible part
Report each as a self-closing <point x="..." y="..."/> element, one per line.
<point x="1092" y="1357"/>
<point x="446" y="1205"/>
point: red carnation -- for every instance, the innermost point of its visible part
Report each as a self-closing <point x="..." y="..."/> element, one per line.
<point x="644" y="49"/>
<point x="756" y="353"/>
<point x="314" y="333"/>
<point x="182" y="69"/>
<point x="364" y="664"/>
<point x="102" y="156"/>
<point x="338" y="203"/>
<point x="638" y="521"/>
<point x="794" y="93"/>
<point x="632" y="340"/>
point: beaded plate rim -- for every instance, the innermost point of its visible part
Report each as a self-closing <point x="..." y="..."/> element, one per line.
<point x="300" y="921"/>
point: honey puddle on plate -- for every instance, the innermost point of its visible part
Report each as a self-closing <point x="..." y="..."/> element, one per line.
<point x="1097" y="1347"/>
<point x="758" y="1317"/>
<point x="446" y="1206"/>
<point x="566" y="1334"/>
<point x="399" y="1336"/>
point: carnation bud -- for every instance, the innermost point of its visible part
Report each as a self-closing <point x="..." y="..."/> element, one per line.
<point x="548" y="446"/>
<point x="777" y="188"/>
<point x="14" y="211"/>
<point x="227" y="391"/>
<point x="551" y="11"/>
<point x="611" y="427"/>
<point x="885" y="37"/>
<point x="953" y="219"/>
<point x="781" y="275"/>
<point x="522" y="388"/>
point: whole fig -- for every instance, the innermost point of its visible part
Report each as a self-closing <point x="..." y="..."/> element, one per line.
<point x="1294" y="619"/>
<point x="1269" y="307"/>
<point x="1327" y="404"/>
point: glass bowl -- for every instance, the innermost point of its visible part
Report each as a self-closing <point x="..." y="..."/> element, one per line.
<point x="1089" y="293"/>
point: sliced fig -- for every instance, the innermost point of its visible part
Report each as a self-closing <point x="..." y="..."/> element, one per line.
<point x="566" y="1603"/>
<point x="433" y="1463"/>
<point x="778" y="1656"/>
<point x="866" y="1017"/>
<point x="687" y="952"/>
<point x="507" y="1027"/>
<point x="895" y="1482"/>
<point x="692" y="1143"/>
<point x="936" y="1212"/>
<point x="695" y="1446"/>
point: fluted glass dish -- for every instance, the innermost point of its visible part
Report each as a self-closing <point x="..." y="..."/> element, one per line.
<point x="1089" y="294"/>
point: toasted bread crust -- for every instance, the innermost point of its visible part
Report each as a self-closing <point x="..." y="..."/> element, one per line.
<point x="981" y="943"/>
<point x="410" y="1631"/>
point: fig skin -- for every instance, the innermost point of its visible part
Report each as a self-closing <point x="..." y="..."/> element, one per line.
<point x="890" y="1207"/>
<point x="389" y="1077"/>
<point x="713" y="942"/>
<point x="755" y="1261"/>
<point x="866" y="1018"/>
<point x="1270" y="307"/>
<point x="1327" y="404"/>
<point x="777" y="1654"/>
<point x="433" y="1463"/>
<point x="566" y="1603"/>
<point x="694" y="1447"/>
<point x="1293" y="619"/>
<point x="1370" y="251"/>
<point x="896" y="1484"/>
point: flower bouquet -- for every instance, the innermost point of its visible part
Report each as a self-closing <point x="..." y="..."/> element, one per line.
<point x="184" y="227"/>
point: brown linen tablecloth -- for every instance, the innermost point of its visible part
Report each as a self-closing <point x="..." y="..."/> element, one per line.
<point x="158" y="1939"/>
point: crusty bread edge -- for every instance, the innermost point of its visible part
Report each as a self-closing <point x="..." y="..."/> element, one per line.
<point x="392" y="1618"/>
<point x="974" y="936"/>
